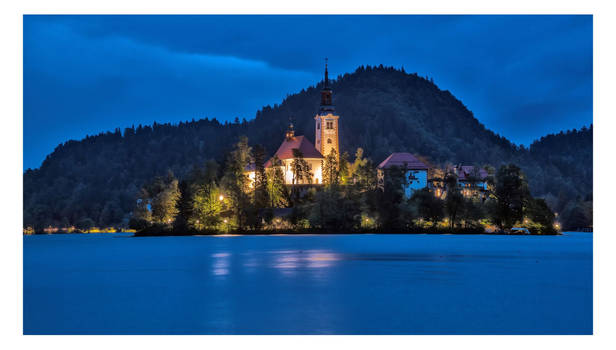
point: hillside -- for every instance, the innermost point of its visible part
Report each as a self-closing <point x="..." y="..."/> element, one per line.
<point x="382" y="110"/>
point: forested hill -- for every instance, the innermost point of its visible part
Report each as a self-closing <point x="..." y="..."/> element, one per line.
<point x="382" y="110"/>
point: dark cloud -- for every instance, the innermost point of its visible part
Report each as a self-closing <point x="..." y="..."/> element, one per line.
<point x="522" y="76"/>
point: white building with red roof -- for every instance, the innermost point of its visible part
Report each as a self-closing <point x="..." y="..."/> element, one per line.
<point x="309" y="153"/>
<point x="415" y="171"/>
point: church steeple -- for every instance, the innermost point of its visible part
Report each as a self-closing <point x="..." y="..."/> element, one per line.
<point x="326" y="93"/>
<point x="326" y="121"/>
<point x="326" y="75"/>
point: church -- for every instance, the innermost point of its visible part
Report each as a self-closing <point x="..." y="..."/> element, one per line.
<point x="326" y="140"/>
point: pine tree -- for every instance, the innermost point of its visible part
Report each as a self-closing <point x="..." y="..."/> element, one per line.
<point x="236" y="182"/>
<point x="300" y="168"/>
<point x="510" y="195"/>
<point x="331" y="176"/>
<point x="163" y="204"/>
<point x="276" y="188"/>
<point x="344" y="169"/>
<point x="260" y="181"/>
<point x="184" y="207"/>
<point x="207" y="204"/>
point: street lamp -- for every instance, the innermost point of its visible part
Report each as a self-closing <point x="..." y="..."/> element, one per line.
<point x="221" y="198"/>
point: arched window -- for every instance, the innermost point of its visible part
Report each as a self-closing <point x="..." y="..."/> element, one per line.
<point x="329" y="140"/>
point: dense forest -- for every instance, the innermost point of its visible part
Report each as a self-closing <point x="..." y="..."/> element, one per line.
<point x="382" y="109"/>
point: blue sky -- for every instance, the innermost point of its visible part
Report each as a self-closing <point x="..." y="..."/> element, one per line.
<point x="522" y="76"/>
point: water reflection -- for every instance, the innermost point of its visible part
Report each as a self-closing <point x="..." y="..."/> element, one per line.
<point x="290" y="261"/>
<point x="221" y="264"/>
<point x="287" y="262"/>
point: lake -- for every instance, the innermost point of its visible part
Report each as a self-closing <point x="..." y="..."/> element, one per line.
<point x="308" y="284"/>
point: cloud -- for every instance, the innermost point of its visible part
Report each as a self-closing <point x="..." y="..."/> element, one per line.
<point x="75" y="85"/>
<point x="86" y="74"/>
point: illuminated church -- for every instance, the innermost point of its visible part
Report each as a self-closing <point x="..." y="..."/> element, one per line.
<point x="326" y="140"/>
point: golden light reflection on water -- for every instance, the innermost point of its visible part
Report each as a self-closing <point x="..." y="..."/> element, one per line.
<point x="287" y="262"/>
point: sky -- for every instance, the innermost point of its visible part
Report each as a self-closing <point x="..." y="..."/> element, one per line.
<point x="521" y="76"/>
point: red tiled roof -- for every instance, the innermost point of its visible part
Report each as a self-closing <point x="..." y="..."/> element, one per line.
<point x="285" y="151"/>
<point x="402" y="159"/>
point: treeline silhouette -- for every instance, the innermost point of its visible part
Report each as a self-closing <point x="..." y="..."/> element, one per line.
<point x="382" y="109"/>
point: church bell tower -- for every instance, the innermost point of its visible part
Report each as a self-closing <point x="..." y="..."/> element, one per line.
<point x="326" y="122"/>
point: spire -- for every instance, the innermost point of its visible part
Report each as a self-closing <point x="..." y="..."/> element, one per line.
<point x="326" y="93"/>
<point x="326" y="75"/>
<point x="290" y="134"/>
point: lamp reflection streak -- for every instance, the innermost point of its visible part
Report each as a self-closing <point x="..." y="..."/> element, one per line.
<point x="221" y="264"/>
<point x="288" y="261"/>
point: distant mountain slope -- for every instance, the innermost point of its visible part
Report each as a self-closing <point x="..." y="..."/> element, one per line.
<point x="565" y="164"/>
<point x="383" y="110"/>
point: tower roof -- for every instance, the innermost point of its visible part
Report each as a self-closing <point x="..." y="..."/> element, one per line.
<point x="326" y="80"/>
<point x="326" y="95"/>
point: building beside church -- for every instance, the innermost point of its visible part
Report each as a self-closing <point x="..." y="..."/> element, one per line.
<point x="415" y="171"/>
<point x="326" y="141"/>
<point x="471" y="179"/>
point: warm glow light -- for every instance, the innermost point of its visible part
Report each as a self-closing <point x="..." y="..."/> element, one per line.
<point x="221" y="197"/>
<point x="226" y="221"/>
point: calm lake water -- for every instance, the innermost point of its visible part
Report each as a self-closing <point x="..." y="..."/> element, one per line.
<point x="338" y="284"/>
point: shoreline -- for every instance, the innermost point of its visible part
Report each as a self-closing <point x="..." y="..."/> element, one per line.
<point x="339" y="233"/>
<point x="305" y="233"/>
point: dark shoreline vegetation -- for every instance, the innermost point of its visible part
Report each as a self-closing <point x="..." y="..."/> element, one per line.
<point x="416" y="231"/>
<point x="351" y="199"/>
<point x="95" y="182"/>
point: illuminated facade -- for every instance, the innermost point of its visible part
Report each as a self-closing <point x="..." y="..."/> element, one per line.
<point x="472" y="180"/>
<point x="285" y="155"/>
